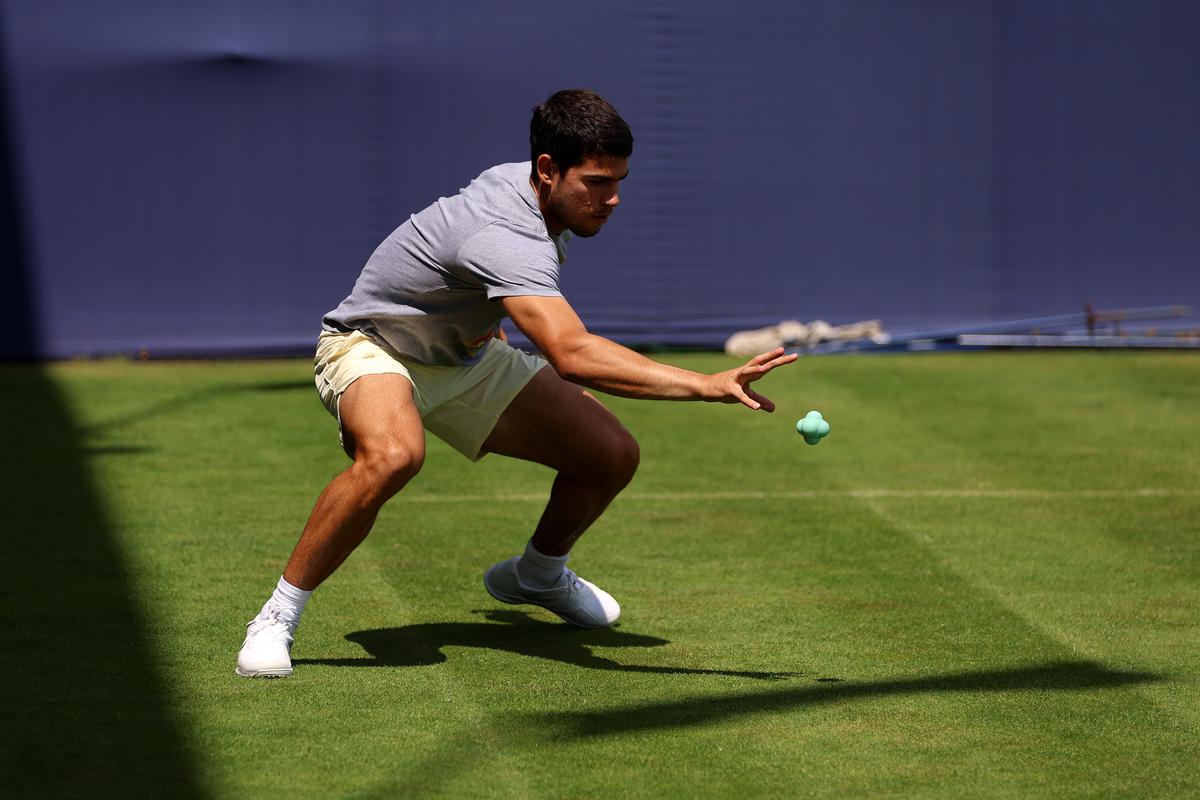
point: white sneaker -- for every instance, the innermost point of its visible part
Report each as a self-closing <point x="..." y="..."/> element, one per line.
<point x="267" y="651"/>
<point x="579" y="602"/>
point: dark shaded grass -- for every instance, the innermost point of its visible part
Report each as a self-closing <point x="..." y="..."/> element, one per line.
<point x="86" y="712"/>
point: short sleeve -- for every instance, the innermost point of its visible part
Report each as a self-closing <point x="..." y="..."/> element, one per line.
<point x="510" y="261"/>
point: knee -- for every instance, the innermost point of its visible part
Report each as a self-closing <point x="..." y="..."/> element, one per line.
<point x="619" y="460"/>
<point x="386" y="469"/>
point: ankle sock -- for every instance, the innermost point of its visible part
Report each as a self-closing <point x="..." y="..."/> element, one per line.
<point x="538" y="570"/>
<point x="290" y="600"/>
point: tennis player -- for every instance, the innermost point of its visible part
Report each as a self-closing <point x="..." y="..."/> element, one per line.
<point x="417" y="346"/>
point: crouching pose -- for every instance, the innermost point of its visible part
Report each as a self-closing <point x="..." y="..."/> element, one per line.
<point x="417" y="346"/>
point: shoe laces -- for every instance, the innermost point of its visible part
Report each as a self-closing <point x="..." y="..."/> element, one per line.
<point x="274" y="623"/>
<point x="573" y="583"/>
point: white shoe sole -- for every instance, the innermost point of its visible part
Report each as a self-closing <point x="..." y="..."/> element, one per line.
<point x="264" y="673"/>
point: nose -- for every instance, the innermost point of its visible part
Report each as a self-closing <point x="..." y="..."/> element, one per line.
<point x="613" y="201"/>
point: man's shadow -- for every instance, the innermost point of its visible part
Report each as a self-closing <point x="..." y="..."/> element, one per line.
<point x="517" y="632"/>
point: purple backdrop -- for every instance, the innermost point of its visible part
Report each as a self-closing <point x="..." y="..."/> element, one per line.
<point x="209" y="177"/>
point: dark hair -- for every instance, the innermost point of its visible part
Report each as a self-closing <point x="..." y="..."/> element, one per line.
<point x="574" y="124"/>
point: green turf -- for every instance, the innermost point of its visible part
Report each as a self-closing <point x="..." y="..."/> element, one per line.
<point x="984" y="583"/>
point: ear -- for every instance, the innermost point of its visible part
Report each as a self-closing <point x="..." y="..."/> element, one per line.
<point x="547" y="170"/>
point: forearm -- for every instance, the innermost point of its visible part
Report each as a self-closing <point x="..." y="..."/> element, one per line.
<point x="598" y="363"/>
<point x="604" y="365"/>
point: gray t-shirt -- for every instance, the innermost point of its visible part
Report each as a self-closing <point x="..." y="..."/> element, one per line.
<point x="431" y="290"/>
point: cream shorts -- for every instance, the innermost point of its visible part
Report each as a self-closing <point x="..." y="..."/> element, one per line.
<point x="459" y="405"/>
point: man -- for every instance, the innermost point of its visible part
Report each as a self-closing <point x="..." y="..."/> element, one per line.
<point x="417" y="345"/>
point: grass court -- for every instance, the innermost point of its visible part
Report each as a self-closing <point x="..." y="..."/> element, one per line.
<point x="984" y="583"/>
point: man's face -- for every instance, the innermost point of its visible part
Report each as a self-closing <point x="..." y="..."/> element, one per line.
<point x="583" y="197"/>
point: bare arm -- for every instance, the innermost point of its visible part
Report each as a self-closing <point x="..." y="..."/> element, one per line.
<point x="599" y="363"/>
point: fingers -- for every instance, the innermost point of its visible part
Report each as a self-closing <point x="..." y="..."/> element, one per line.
<point x="765" y="362"/>
<point x="764" y="403"/>
<point x="754" y="369"/>
<point x="788" y="359"/>
<point x="753" y="373"/>
<point x="752" y="399"/>
<point x="779" y="362"/>
<point x="744" y="398"/>
<point x="762" y="358"/>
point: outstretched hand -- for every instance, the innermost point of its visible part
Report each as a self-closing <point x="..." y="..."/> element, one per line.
<point x="733" y="385"/>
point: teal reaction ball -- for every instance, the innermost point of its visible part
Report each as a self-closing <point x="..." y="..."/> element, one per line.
<point x="813" y="427"/>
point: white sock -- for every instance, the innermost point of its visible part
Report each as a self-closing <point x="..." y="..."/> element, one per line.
<point x="290" y="600"/>
<point x="538" y="570"/>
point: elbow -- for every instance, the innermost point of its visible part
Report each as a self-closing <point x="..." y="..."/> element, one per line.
<point x="570" y="367"/>
<point x="570" y="362"/>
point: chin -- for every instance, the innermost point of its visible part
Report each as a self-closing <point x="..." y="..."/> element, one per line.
<point x="591" y="230"/>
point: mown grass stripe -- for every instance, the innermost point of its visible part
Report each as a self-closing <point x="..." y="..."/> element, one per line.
<point x="824" y="493"/>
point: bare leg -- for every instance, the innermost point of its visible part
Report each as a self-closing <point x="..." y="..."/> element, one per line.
<point x="383" y="434"/>
<point x="558" y="424"/>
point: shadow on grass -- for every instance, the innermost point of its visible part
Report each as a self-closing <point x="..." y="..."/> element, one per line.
<point x="1056" y="677"/>
<point x="517" y="632"/>
<point x="85" y="712"/>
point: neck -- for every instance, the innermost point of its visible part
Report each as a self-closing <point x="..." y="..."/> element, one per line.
<point x="542" y="193"/>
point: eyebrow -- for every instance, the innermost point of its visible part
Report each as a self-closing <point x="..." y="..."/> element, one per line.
<point x="587" y="176"/>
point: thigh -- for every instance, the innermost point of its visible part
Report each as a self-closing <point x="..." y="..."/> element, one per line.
<point x="378" y="415"/>
<point x="558" y="424"/>
<point x="461" y="405"/>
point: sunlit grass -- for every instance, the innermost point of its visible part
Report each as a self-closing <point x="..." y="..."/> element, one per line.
<point x="984" y="583"/>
